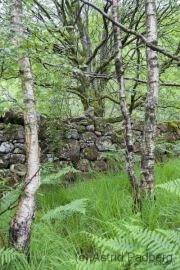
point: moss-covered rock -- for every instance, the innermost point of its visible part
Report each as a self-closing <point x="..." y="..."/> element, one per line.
<point x="174" y="126"/>
<point x="99" y="165"/>
<point x="90" y="153"/>
<point x="103" y="143"/>
<point x="12" y="132"/>
<point x="169" y="126"/>
<point x="72" y="134"/>
<point x="88" y="137"/>
<point x="90" y="128"/>
<point x="17" y="158"/>
<point x="70" y="151"/>
<point x="6" y="147"/>
<point x="14" y="115"/>
<point x="100" y="124"/>
<point x="3" y="163"/>
<point x="83" y="165"/>
<point x="81" y="128"/>
<point x="19" y="151"/>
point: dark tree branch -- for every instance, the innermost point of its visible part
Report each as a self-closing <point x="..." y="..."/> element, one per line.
<point x="133" y="32"/>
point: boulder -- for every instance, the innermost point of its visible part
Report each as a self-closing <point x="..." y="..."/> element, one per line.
<point x="17" y="158"/>
<point x="90" y="128"/>
<point x="6" y="147"/>
<point x="163" y="127"/>
<point x="90" y="153"/>
<point x="83" y="144"/>
<point x="71" y="151"/>
<point x="103" y="143"/>
<point x="72" y="134"/>
<point x="98" y="133"/>
<point x="19" y="151"/>
<point x="88" y="137"/>
<point x="12" y="132"/>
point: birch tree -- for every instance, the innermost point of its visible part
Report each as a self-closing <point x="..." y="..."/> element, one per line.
<point x="20" y="225"/>
<point x="150" y="120"/>
<point x="123" y="103"/>
<point x="149" y="136"/>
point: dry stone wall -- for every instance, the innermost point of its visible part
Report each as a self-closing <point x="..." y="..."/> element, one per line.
<point x="82" y="142"/>
<point x="78" y="142"/>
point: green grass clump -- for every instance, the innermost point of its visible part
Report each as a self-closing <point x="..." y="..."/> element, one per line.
<point x="56" y="241"/>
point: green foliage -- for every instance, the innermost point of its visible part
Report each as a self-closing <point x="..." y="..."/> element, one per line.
<point x="9" y="196"/>
<point x="56" y="178"/>
<point x="68" y="209"/>
<point x="118" y="155"/>
<point x="172" y="186"/>
<point x="77" y="241"/>
<point x="135" y="247"/>
<point x="11" y="259"/>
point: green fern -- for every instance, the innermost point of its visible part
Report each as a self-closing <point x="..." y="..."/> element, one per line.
<point x="56" y="178"/>
<point x="11" y="259"/>
<point x="172" y="186"/>
<point x="160" y="248"/>
<point x="95" y="265"/>
<point x="152" y="241"/>
<point x="68" y="209"/>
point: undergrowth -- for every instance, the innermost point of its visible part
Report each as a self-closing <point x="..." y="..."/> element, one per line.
<point x="89" y="224"/>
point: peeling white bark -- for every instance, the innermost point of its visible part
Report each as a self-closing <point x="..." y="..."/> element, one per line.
<point x="20" y="225"/>
<point x="149" y="137"/>
<point x="124" y="107"/>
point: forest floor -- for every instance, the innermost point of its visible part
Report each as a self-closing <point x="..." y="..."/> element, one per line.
<point x="63" y="238"/>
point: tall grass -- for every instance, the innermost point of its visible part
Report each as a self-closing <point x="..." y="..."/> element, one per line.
<point x="56" y="243"/>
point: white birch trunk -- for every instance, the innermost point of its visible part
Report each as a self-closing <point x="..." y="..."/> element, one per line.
<point x="149" y="137"/>
<point x="20" y="225"/>
<point x="123" y="103"/>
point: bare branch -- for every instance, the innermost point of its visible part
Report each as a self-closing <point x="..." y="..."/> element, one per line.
<point x="133" y="32"/>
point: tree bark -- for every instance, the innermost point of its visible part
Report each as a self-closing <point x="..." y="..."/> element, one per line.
<point x="124" y="107"/>
<point x="20" y="225"/>
<point x="149" y="136"/>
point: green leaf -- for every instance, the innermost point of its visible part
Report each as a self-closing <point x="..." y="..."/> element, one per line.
<point x="68" y="209"/>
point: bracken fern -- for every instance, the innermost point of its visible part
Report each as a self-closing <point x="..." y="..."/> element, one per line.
<point x="133" y="248"/>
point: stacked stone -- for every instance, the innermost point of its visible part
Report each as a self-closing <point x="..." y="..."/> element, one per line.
<point x="86" y="137"/>
<point x="12" y="153"/>
<point x="12" y="145"/>
<point x="85" y="142"/>
<point x="82" y="139"/>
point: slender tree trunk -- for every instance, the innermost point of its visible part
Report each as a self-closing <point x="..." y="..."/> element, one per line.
<point x="123" y="103"/>
<point x="20" y="225"/>
<point x="149" y="137"/>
